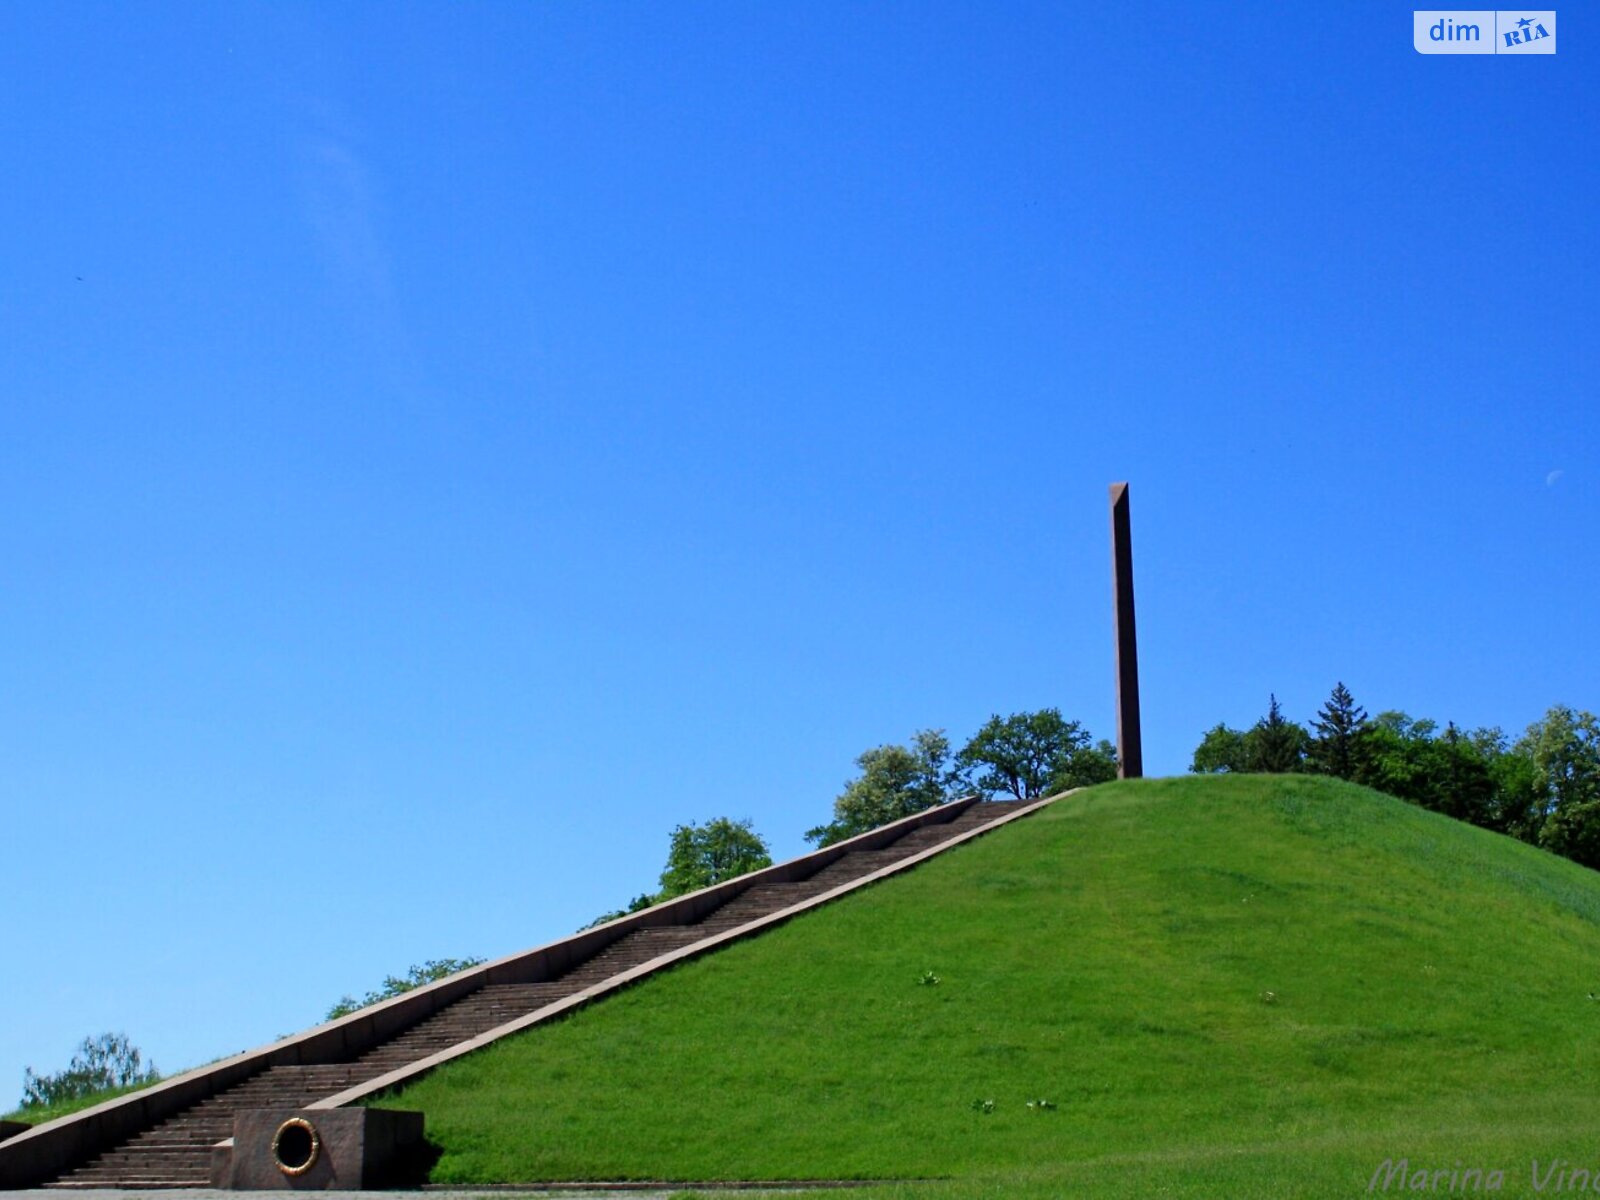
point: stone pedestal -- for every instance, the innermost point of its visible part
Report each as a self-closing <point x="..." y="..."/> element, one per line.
<point x="308" y="1149"/>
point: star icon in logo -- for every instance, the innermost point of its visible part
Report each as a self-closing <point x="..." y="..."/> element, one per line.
<point x="1525" y="22"/>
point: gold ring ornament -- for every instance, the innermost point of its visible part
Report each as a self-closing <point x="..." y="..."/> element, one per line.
<point x="295" y="1146"/>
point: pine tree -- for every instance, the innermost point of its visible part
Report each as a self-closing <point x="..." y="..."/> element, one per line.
<point x="1276" y="745"/>
<point x="1341" y="728"/>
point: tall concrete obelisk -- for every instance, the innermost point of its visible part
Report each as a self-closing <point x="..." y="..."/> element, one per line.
<point x="1130" y="755"/>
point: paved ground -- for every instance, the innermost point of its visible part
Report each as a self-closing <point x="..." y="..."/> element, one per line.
<point x="496" y="1193"/>
<point x="215" y="1194"/>
<point x="487" y="1194"/>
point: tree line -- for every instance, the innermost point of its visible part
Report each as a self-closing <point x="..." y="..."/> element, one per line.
<point x="1542" y="787"/>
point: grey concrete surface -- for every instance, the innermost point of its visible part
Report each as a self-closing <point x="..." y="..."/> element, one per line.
<point x="216" y="1194"/>
<point x="496" y="1193"/>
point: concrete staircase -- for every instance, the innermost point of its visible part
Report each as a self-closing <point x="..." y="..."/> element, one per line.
<point x="177" y="1152"/>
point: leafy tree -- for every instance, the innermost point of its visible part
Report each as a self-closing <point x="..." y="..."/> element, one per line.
<point x="701" y="855"/>
<point x="1470" y="776"/>
<point x="1402" y="725"/>
<point x="1565" y="749"/>
<point x="1341" y="725"/>
<point x="1089" y="766"/>
<point x="641" y="901"/>
<point x="1463" y="785"/>
<point x="1518" y="790"/>
<point x="1491" y="784"/>
<point x="415" y="977"/>
<point x="1574" y="832"/>
<point x="1029" y="755"/>
<point x="1401" y="758"/>
<point x="1275" y="745"/>
<point x="101" y="1064"/>
<point x="895" y="782"/>
<point x="1222" y="749"/>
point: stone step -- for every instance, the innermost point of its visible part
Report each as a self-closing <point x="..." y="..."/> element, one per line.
<point x="124" y="1164"/>
<point x="141" y="1182"/>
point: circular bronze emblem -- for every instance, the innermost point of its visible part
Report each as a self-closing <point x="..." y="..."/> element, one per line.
<point x="295" y="1146"/>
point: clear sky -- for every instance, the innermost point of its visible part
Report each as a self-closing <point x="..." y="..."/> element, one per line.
<point x="443" y="446"/>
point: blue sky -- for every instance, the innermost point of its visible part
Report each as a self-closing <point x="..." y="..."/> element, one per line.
<point x="442" y="447"/>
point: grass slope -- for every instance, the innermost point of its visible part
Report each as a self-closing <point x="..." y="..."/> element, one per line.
<point x="1249" y="986"/>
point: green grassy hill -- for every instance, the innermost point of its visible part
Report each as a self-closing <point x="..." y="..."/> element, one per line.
<point x="1250" y="986"/>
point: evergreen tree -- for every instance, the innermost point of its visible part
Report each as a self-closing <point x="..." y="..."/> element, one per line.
<point x="1276" y="745"/>
<point x="1341" y="727"/>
